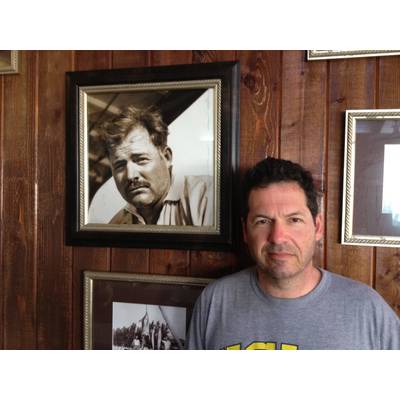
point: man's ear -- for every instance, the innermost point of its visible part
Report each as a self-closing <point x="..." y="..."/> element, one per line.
<point x="167" y="153"/>
<point x="319" y="227"/>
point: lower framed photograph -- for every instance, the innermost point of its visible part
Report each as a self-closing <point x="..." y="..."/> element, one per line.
<point x="138" y="311"/>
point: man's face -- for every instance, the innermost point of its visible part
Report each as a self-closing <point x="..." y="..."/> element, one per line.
<point x="280" y="231"/>
<point x="141" y="170"/>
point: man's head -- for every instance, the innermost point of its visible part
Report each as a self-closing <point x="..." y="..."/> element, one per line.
<point x="281" y="223"/>
<point x="141" y="161"/>
<point x="274" y="170"/>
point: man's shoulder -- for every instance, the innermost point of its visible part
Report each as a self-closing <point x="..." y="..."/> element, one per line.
<point x="230" y="282"/>
<point x="197" y="181"/>
<point x="353" y="290"/>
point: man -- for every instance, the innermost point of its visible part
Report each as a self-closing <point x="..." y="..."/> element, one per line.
<point x="141" y="164"/>
<point x="285" y="302"/>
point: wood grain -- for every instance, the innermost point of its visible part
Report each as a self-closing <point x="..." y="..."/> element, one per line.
<point x="351" y="86"/>
<point x="259" y="105"/>
<point x="304" y="110"/>
<point x="54" y="258"/>
<point x="387" y="279"/>
<point x="86" y="258"/>
<point x="19" y="261"/>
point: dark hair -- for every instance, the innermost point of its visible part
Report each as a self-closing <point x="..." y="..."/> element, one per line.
<point x="274" y="170"/>
<point x="114" y="130"/>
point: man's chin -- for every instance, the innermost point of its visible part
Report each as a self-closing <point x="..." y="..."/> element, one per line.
<point x="279" y="271"/>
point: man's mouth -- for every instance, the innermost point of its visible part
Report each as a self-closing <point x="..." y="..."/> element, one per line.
<point x="135" y="188"/>
<point x="280" y="255"/>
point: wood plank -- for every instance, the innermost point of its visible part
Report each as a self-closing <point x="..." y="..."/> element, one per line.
<point x="130" y="59"/>
<point x="166" y="261"/>
<point x="260" y="100"/>
<point x="170" y="57"/>
<point x="304" y="110"/>
<point x="54" y="258"/>
<point x="87" y="60"/>
<point x="207" y="56"/>
<point x="259" y="105"/>
<point x="130" y="260"/>
<point x="387" y="278"/>
<point x="18" y="206"/>
<point x="212" y="264"/>
<point x="351" y="86"/>
<point x="86" y="258"/>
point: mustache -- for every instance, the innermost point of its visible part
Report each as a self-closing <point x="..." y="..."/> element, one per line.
<point x="135" y="184"/>
<point x="279" y="248"/>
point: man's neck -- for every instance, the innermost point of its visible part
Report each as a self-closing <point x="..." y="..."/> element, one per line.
<point x="292" y="287"/>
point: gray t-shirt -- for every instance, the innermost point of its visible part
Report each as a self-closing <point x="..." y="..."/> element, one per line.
<point x="235" y="313"/>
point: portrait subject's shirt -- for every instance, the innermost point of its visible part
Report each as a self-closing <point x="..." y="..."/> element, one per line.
<point x="188" y="202"/>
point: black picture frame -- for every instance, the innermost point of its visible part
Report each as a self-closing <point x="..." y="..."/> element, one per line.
<point x="174" y="90"/>
<point x="126" y="302"/>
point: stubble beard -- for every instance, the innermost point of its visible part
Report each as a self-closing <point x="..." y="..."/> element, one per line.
<point x="279" y="270"/>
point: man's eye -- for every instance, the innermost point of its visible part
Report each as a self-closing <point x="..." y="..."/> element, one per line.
<point x="119" y="165"/>
<point x="261" y="221"/>
<point x="142" y="160"/>
<point x="295" y="220"/>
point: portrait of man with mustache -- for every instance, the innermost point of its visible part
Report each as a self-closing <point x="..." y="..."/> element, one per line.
<point x="141" y="164"/>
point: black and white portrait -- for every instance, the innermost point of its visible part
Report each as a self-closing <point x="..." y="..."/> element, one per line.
<point x="148" y="327"/>
<point x="151" y="157"/>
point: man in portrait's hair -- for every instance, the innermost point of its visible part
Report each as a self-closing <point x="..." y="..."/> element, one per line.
<point x="142" y="167"/>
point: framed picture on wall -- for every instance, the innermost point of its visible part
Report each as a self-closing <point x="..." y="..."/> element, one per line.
<point x="8" y="62"/>
<point x="138" y="311"/>
<point x="371" y="195"/>
<point x="333" y="54"/>
<point x="152" y="156"/>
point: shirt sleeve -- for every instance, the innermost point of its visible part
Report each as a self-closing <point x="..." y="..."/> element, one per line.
<point x="198" y="325"/>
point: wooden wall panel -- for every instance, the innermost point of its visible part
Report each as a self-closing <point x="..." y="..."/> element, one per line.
<point x="54" y="258"/>
<point x="303" y="125"/>
<point x="19" y="214"/>
<point x="86" y="258"/>
<point x="388" y="259"/>
<point x="351" y="86"/>
<point x="259" y="105"/>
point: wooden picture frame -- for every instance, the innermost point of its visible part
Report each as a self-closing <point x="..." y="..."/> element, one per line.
<point x="138" y="311"/>
<point x="8" y="62"/>
<point x="200" y="105"/>
<point x="371" y="198"/>
<point x="337" y="54"/>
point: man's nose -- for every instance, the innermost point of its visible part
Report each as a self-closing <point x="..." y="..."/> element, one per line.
<point x="277" y="232"/>
<point x="132" y="171"/>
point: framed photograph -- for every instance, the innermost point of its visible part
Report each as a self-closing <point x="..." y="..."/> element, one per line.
<point x="8" y="62"/>
<point x="138" y="311"/>
<point x="371" y="195"/>
<point x="332" y="54"/>
<point x="152" y="156"/>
